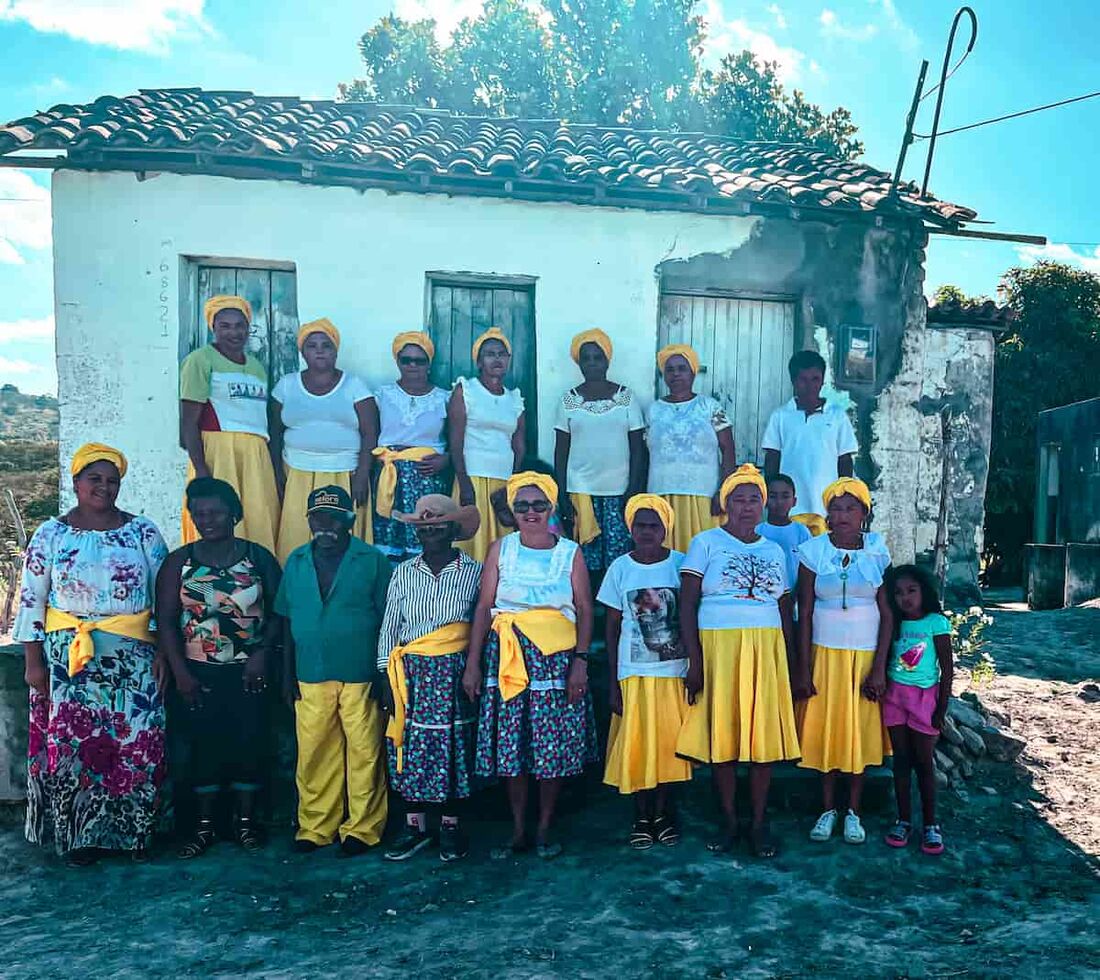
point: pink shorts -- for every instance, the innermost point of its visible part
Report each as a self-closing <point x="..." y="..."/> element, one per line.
<point x="910" y="706"/>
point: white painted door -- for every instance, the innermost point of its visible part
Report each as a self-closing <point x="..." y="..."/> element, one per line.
<point x="743" y="347"/>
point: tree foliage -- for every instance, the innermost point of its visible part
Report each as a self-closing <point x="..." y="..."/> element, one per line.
<point x="615" y="62"/>
<point x="1050" y="358"/>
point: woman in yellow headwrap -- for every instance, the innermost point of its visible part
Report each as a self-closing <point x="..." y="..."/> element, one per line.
<point x="647" y="664"/>
<point x="529" y="651"/>
<point x="96" y="749"/>
<point x="691" y="448"/>
<point x="598" y="453"/>
<point x="845" y="629"/>
<point x="411" y="459"/>
<point x="735" y="622"/>
<point x="324" y="427"/>
<point x="487" y="428"/>
<point x="223" y="420"/>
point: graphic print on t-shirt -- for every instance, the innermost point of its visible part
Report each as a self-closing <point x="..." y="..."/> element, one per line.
<point x="748" y="575"/>
<point x="911" y="657"/>
<point x="657" y="613"/>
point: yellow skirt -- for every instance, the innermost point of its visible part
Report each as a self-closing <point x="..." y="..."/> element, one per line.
<point x="839" y="728"/>
<point x="243" y="461"/>
<point x="294" y="526"/>
<point x="489" y="529"/>
<point x="641" y="747"/>
<point x="744" y="712"/>
<point x="692" y="516"/>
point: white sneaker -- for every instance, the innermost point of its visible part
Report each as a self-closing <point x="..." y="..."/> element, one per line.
<point x="853" y="829"/>
<point x="823" y="829"/>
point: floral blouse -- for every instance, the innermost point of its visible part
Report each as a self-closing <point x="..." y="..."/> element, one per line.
<point x="91" y="574"/>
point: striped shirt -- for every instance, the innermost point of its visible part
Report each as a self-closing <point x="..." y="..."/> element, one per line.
<point x="418" y="601"/>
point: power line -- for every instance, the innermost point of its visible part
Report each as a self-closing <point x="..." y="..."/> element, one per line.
<point x="1011" y="115"/>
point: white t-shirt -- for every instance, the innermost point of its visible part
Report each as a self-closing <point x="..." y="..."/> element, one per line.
<point x="411" y="420"/>
<point x="846" y="616"/>
<point x="648" y="596"/>
<point x="742" y="583"/>
<point x="322" y="431"/>
<point x="683" y="446"/>
<point x="491" y="422"/>
<point x="599" y="441"/>
<point x="789" y="537"/>
<point x="809" y="447"/>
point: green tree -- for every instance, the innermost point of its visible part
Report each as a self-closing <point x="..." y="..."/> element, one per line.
<point x="1051" y="357"/>
<point x="404" y="65"/>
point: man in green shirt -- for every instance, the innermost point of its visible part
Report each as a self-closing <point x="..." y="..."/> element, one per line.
<point x="332" y="597"/>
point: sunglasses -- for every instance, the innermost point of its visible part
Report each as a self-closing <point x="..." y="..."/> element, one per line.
<point x="412" y="361"/>
<point x="538" y="506"/>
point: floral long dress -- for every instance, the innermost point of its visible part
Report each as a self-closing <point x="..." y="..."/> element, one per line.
<point x="96" y="747"/>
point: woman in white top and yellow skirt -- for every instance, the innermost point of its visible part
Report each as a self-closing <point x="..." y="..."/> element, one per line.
<point x="735" y="622"/>
<point x="845" y="630"/>
<point x="487" y="430"/>
<point x="324" y="427"/>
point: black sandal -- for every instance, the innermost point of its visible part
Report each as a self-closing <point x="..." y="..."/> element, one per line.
<point x="641" y="834"/>
<point x="763" y="844"/>
<point x="727" y="843"/>
<point x="247" y="835"/>
<point x="203" y="838"/>
<point x="510" y="850"/>
<point x="665" y="831"/>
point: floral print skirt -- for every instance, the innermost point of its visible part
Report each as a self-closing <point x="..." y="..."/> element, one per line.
<point x="395" y="540"/>
<point x="96" y="748"/>
<point x="614" y="539"/>
<point x="438" y="749"/>
<point x="538" y="732"/>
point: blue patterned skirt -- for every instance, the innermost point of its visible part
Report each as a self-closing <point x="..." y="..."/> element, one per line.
<point x="439" y="732"/>
<point x="395" y="540"/>
<point x="538" y="732"/>
<point x="614" y="539"/>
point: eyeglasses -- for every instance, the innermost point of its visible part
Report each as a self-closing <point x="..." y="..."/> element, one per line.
<point x="407" y="361"/>
<point x="538" y="506"/>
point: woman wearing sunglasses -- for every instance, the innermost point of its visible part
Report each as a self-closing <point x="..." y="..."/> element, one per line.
<point x="412" y="454"/>
<point x="532" y="628"/>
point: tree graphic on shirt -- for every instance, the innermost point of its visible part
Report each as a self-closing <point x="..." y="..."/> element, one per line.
<point x="753" y="576"/>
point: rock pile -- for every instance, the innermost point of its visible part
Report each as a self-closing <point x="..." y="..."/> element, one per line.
<point x="971" y="732"/>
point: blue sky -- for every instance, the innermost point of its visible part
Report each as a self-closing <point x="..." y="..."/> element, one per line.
<point x="1034" y="175"/>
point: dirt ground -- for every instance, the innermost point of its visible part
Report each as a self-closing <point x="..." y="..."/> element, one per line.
<point x="1016" y="895"/>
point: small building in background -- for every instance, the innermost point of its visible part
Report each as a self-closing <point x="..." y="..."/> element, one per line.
<point x="1063" y="563"/>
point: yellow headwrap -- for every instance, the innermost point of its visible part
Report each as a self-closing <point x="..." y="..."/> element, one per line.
<point x="684" y="350"/>
<point x="417" y="337"/>
<point x="216" y="304"/>
<point x="847" y="484"/>
<point x="745" y="473"/>
<point x="650" y="501"/>
<point x="529" y="478"/>
<point x="493" y="333"/>
<point x="93" y="452"/>
<point x="595" y="336"/>
<point x="323" y="325"/>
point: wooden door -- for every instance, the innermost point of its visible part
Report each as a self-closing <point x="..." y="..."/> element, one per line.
<point x="743" y="347"/>
<point x="273" y="295"/>
<point x="460" y="311"/>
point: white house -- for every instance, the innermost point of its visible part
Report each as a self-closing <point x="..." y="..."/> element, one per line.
<point x="385" y="219"/>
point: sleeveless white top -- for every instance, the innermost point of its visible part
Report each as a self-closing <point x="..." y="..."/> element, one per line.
<point x="411" y="420"/>
<point x="490" y="424"/>
<point x="535" y="578"/>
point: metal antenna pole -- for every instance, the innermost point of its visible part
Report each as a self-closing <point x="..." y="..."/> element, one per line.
<point x="943" y="82"/>
<point x="907" y="139"/>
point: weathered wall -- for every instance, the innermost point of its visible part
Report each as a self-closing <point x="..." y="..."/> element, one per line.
<point x="14" y="716"/>
<point x="1076" y="429"/>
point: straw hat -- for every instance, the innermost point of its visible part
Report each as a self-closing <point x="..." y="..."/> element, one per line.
<point x="435" y="508"/>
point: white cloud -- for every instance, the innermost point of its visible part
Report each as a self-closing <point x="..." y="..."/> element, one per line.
<point x="1060" y="252"/>
<point x="904" y="34"/>
<point x="24" y="215"/>
<point x="729" y="36"/>
<point x="447" y="14"/>
<point x="832" y="26"/>
<point x="16" y="368"/>
<point x="27" y="330"/>
<point x="130" y="25"/>
<point x="777" y="13"/>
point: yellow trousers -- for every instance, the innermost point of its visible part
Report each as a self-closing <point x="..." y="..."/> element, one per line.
<point x="341" y="772"/>
<point x="293" y="522"/>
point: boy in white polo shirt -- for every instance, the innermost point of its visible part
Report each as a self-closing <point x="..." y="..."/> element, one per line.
<point x="813" y="441"/>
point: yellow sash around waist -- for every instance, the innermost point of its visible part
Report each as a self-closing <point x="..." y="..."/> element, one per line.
<point x="547" y="629"/>
<point x="585" y="526"/>
<point x="446" y="639"/>
<point x="135" y="626"/>
<point x="387" y="479"/>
